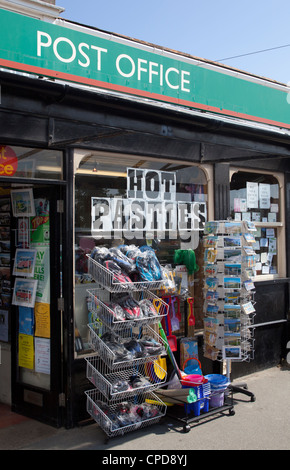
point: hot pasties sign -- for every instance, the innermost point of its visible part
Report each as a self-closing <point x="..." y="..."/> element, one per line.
<point x="150" y="210"/>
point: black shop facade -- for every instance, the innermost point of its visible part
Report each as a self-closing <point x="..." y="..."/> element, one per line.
<point x="110" y="144"/>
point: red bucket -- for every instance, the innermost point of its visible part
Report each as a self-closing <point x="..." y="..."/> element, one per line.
<point x="192" y="380"/>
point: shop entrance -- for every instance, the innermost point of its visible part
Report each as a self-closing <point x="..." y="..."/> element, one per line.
<point x="30" y="234"/>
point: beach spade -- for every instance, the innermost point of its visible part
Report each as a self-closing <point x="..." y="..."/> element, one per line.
<point x="174" y="319"/>
<point x="191" y="318"/>
<point x="172" y="340"/>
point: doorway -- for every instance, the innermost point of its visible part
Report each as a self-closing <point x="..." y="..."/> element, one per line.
<point x="30" y="277"/>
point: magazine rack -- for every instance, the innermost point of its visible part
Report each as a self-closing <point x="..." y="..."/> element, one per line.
<point x="229" y="266"/>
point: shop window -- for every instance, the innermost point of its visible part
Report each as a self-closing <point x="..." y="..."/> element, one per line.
<point x="123" y="200"/>
<point x="257" y="198"/>
<point x="25" y="234"/>
<point x="24" y="162"/>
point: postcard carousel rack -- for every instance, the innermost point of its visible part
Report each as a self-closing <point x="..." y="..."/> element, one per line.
<point x="229" y="266"/>
<point x="126" y="366"/>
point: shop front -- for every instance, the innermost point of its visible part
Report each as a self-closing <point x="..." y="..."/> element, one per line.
<point x="123" y="164"/>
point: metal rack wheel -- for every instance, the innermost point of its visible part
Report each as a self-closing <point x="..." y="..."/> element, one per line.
<point x="186" y="428"/>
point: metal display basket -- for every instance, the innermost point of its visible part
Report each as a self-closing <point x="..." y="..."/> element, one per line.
<point x="119" y="417"/>
<point x="109" y="280"/>
<point x="104" y="312"/>
<point x="127" y="364"/>
<point x="108" y="354"/>
<point x="124" y="382"/>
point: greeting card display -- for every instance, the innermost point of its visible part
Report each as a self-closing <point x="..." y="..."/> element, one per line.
<point x="228" y="290"/>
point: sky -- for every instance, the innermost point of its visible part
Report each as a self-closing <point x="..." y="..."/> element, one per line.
<point x="209" y="29"/>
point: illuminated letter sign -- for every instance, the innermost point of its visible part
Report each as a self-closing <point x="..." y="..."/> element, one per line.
<point x="8" y="161"/>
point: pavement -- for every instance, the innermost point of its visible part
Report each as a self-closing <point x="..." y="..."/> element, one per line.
<point x="263" y="424"/>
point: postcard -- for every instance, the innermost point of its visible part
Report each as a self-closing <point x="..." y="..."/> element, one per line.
<point x="232" y="242"/>
<point x="248" y="308"/>
<point x="22" y="202"/>
<point x="24" y="292"/>
<point x="232" y="297"/>
<point x="24" y="262"/>
<point x="231" y="352"/>
<point x="249" y="285"/>
<point x="232" y="311"/>
<point x="232" y="326"/>
<point x="233" y="227"/>
<point x="232" y="282"/>
<point x="232" y="269"/>
<point x="212" y="283"/>
<point x="232" y="255"/>
<point x="249" y="238"/>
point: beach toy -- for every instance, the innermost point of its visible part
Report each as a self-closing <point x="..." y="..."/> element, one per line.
<point x="169" y="351"/>
<point x="218" y="384"/>
<point x="190" y="368"/>
<point x="218" y="381"/>
<point x="156" y="370"/>
<point x="172" y="340"/>
<point x="192" y="380"/>
<point x="174" y="319"/>
<point x="191" y="317"/>
<point x="192" y="398"/>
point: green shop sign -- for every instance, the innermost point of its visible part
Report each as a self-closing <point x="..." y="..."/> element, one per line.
<point x="89" y="57"/>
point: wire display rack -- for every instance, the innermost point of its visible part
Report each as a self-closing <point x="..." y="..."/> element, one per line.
<point x="229" y="293"/>
<point x="229" y="305"/>
<point x="111" y="347"/>
<point x="109" y="280"/>
<point x="120" y="417"/>
<point x="123" y="382"/>
<point x="104" y="309"/>
<point x="128" y="349"/>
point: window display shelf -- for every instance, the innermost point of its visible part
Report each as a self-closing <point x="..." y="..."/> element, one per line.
<point x="269" y="224"/>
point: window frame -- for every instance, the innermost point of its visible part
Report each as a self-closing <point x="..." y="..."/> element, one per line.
<point x="280" y="226"/>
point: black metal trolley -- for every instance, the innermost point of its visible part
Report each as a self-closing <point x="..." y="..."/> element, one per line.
<point x="187" y="415"/>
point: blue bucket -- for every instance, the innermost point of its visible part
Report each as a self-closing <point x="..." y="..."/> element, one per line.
<point x="218" y="381"/>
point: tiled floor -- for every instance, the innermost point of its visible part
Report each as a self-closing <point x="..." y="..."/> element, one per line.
<point x="8" y="417"/>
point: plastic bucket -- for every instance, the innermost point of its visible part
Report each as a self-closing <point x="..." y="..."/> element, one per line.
<point x="217" y="399"/>
<point x="202" y="403"/>
<point x="198" y="406"/>
<point x="192" y="380"/>
<point x="192" y="368"/>
<point x="217" y="382"/>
